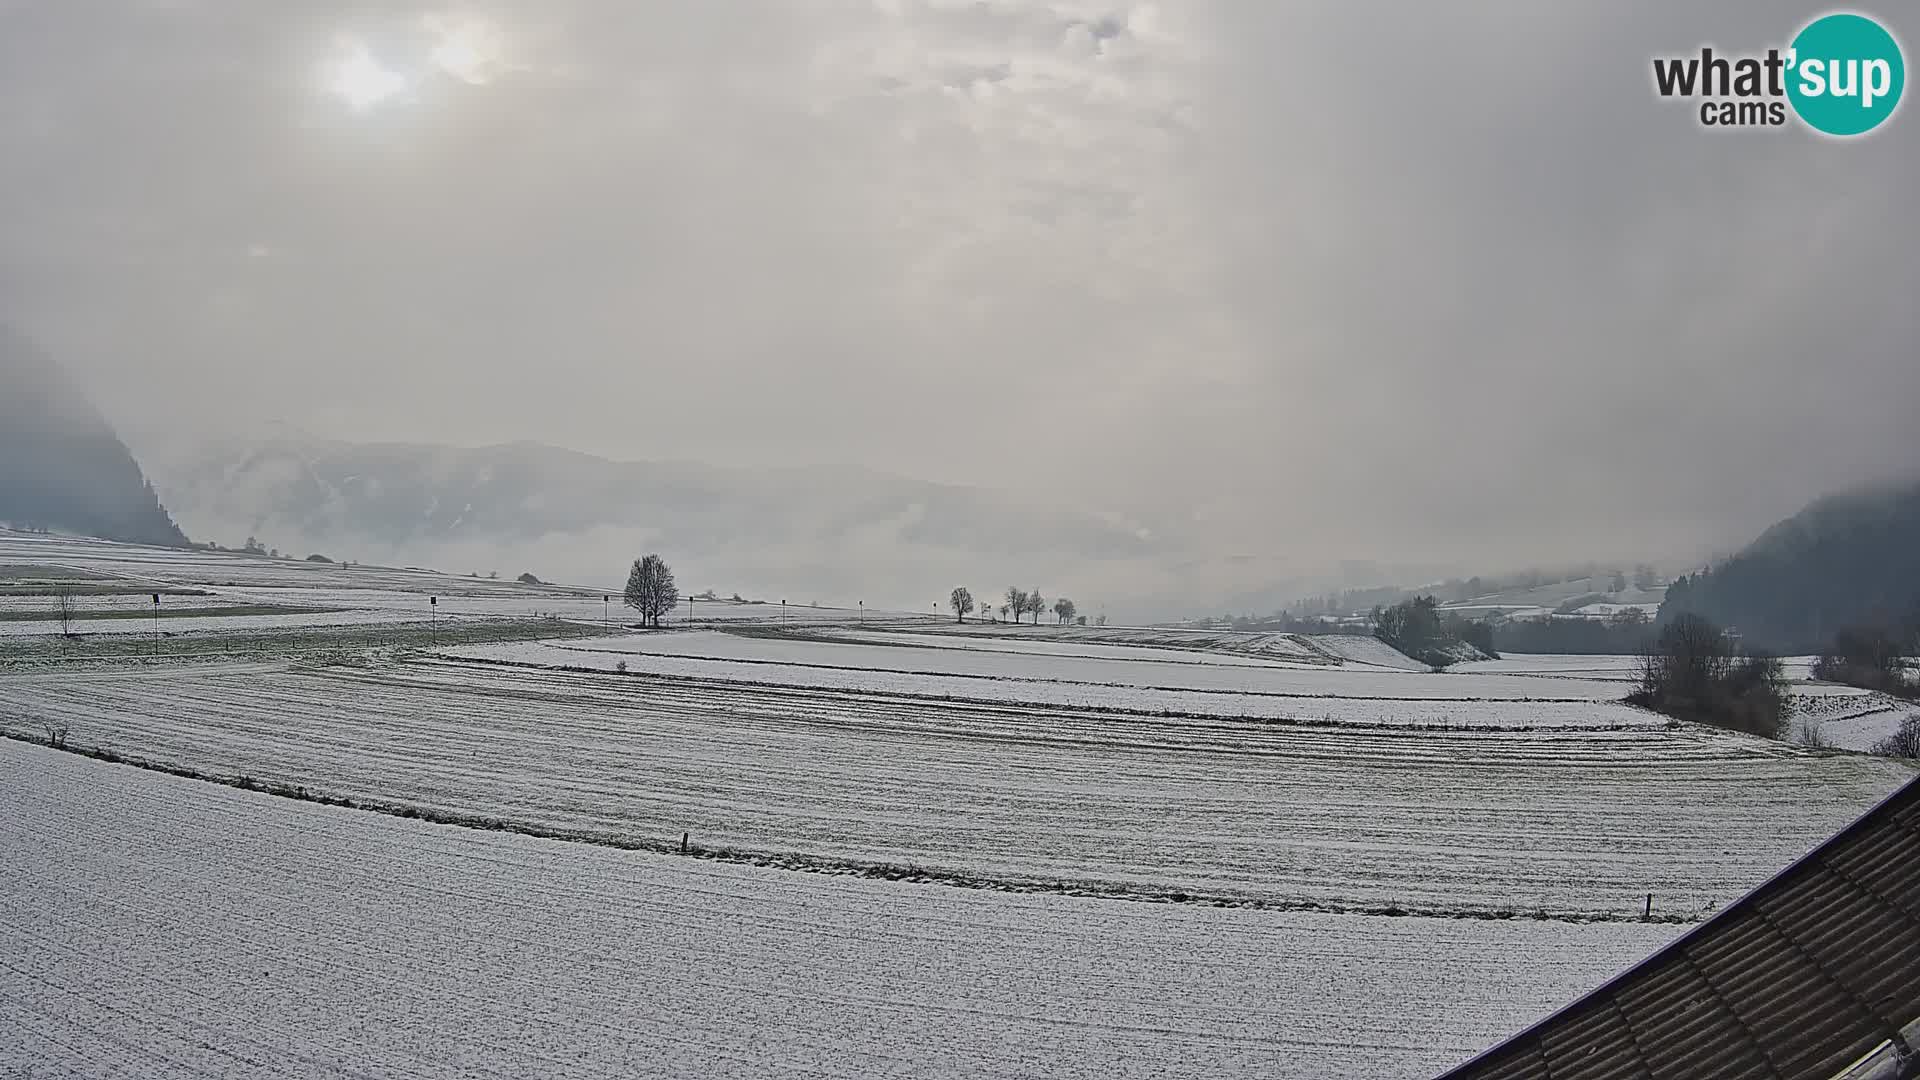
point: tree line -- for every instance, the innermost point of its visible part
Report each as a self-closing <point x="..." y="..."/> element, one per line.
<point x="1018" y="604"/>
<point x="652" y="593"/>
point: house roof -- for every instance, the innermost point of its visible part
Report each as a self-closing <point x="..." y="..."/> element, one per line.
<point x="1808" y="976"/>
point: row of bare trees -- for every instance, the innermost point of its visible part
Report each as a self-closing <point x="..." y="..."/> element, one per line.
<point x="651" y="592"/>
<point x="1019" y="603"/>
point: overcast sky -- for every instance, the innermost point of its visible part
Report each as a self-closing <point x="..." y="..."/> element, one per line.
<point x="1336" y="280"/>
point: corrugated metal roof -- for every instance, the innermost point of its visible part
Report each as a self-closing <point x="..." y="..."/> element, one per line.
<point x="1805" y="977"/>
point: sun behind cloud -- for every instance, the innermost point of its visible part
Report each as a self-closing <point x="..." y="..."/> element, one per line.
<point x="470" y="50"/>
<point x="361" y="81"/>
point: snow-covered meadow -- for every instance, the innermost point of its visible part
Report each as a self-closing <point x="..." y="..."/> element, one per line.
<point x="1576" y="823"/>
<point x="159" y="927"/>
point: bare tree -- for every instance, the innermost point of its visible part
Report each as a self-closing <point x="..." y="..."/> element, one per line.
<point x="1905" y="740"/>
<point x="1004" y="608"/>
<point x="962" y="603"/>
<point x="1063" y="610"/>
<point x="1016" y="603"/>
<point x="650" y="589"/>
<point x="1100" y="621"/>
<point x="1036" y="605"/>
<point x="56" y="734"/>
<point x="63" y="604"/>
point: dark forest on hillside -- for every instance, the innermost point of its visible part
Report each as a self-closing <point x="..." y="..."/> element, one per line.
<point x="62" y="467"/>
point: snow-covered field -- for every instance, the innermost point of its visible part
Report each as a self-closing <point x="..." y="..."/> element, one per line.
<point x="158" y="927"/>
<point x="212" y="623"/>
<point x="1183" y="639"/>
<point x="1303" y="681"/>
<point x="1580" y="823"/>
<point x="1040" y="642"/>
<point x="1327" y="705"/>
<point x="1851" y="721"/>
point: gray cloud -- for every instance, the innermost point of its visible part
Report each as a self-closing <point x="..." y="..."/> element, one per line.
<point x="1326" y="281"/>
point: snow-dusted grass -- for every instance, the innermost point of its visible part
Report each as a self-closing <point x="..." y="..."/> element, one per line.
<point x="1040" y="642"/>
<point x="1865" y="729"/>
<point x="158" y="927"/>
<point x="1849" y="721"/>
<point x="1314" y="681"/>
<point x="85" y="604"/>
<point x="1365" y="650"/>
<point x="1574" y="823"/>
<point x="1558" y="666"/>
<point x="1185" y="639"/>
<point x="210" y="623"/>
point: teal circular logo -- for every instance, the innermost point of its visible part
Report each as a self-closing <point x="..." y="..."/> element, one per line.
<point x="1845" y="74"/>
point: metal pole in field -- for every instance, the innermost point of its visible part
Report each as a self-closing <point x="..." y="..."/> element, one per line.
<point x="863" y="613"/>
<point x="783" y="614"/>
<point x="433" y="620"/>
<point x="606" y="613"/>
<point x="156" y="623"/>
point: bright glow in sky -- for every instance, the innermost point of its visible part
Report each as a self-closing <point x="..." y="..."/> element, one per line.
<point x="467" y="49"/>
<point x="362" y="82"/>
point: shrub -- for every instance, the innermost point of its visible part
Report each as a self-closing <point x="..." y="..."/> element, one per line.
<point x="1904" y="742"/>
<point x="1868" y="657"/>
<point x="1694" y="673"/>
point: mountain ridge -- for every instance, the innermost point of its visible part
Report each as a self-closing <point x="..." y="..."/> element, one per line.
<point x="834" y="530"/>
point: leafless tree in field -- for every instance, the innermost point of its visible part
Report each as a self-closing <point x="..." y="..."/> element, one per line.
<point x="962" y="603"/>
<point x="56" y="733"/>
<point x="1036" y="605"/>
<point x="1016" y="603"/>
<point x="650" y="589"/>
<point x="1063" y="610"/>
<point x="63" y="604"/>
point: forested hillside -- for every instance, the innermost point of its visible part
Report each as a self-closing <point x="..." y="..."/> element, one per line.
<point x="1845" y="560"/>
<point x="61" y="465"/>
